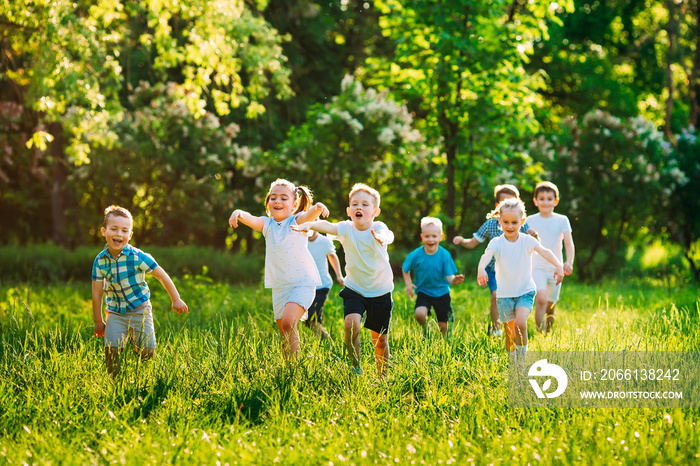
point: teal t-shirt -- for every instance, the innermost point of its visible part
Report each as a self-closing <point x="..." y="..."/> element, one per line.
<point x="429" y="271"/>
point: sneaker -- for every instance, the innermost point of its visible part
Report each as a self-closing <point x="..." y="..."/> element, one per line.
<point x="356" y="370"/>
<point x="498" y="333"/>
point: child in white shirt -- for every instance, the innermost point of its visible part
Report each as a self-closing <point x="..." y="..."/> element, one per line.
<point x="515" y="294"/>
<point x="369" y="280"/>
<point x="554" y="229"/>
<point x="289" y="268"/>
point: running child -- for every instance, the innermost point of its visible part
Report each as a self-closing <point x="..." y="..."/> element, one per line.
<point x="553" y="229"/>
<point x="434" y="271"/>
<point x="489" y="230"/>
<point x="369" y="280"/>
<point x="119" y="272"/>
<point x="289" y="268"/>
<point x="322" y="250"/>
<point x="516" y="289"/>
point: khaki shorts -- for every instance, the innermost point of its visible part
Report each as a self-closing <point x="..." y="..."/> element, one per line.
<point x="135" y="326"/>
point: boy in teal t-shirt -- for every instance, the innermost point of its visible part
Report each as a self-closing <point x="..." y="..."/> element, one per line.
<point x="434" y="271"/>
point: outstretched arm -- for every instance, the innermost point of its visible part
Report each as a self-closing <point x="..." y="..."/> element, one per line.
<point x="570" y="252"/>
<point x="470" y="243"/>
<point x="179" y="305"/>
<point x="256" y="223"/>
<point x="552" y="259"/>
<point x="97" y="292"/>
<point x="481" y="277"/>
<point x="321" y="226"/>
<point x="313" y="213"/>
<point x="384" y="236"/>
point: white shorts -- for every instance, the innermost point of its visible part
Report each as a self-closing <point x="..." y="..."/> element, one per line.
<point x="135" y="326"/>
<point x="302" y="295"/>
<point x="544" y="280"/>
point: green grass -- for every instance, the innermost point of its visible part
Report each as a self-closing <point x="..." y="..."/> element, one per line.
<point x="218" y="391"/>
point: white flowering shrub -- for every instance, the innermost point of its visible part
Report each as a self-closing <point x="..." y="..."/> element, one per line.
<point x="616" y="179"/>
<point x="177" y="168"/>
<point x="362" y="135"/>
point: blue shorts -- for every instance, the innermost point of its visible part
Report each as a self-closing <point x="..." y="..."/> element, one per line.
<point x="507" y="306"/>
<point x="492" y="279"/>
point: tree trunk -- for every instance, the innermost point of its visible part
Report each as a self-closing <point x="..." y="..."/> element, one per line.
<point x="695" y="74"/>
<point x="672" y="32"/>
<point x="58" y="179"/>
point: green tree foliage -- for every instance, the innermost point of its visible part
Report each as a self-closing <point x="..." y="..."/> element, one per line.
<point x="362" y="135"/>
<point x="616" y="177"/>
<point x="461" y="66"/>
<point x="73" y="67"/>
<point x="172" y="165"/>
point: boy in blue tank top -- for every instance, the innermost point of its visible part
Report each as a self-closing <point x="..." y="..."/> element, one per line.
<point x="434" y="271"/>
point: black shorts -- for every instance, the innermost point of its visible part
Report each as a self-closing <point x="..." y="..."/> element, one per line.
<point x="316" y="309"/>
<point x="442" y="305"/>
<point x="378" y="309"/>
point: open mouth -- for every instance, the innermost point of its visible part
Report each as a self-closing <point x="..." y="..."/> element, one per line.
<point x="358" y="214"/>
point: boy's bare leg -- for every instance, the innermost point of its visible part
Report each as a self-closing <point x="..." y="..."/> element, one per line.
<point x="353" y="323"/>
<point x="112" y="360"/>
<point x="495" y="318"/>
<point x="288" y="329"/>
<point x="381" y="352"/>
<point x="520" y="325"/>
<point x="421" y="314"/>
<point x="443" y="328"/>
<point x="550" y="315"/>
<point x="540" y="310"/>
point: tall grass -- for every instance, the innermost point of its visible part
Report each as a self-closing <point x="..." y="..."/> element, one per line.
<point x="218" y="391"/>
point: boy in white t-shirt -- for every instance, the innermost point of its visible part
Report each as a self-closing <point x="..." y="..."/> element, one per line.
<point x="322" y="250"/>
<point x="369" y="280"/>
<point x="515" y="294"/>
<point x="554" y="229"/>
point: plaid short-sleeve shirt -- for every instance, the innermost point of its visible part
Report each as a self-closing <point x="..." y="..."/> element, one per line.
<point x="124" y="278"/>
<point x="492" y="229"/>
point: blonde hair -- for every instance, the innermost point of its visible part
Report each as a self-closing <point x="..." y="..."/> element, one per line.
<point x="545" y="186"/>
<point x="302" y="195"/>
<point x="511" y="203"/>
<point x="357" y="187"/>
<point x="505" y="189"/>
<point x="116" y="211"/>
<point x="425" y="221"/>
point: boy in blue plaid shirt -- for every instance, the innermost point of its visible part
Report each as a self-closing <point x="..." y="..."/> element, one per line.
<point x="489" y="230"/>
<point x="119" y="271"/>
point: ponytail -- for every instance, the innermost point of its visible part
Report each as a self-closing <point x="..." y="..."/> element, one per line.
<point x="304" y="199"/>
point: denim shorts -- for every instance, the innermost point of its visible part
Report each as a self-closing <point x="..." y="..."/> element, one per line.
<point x="507" y="306"/>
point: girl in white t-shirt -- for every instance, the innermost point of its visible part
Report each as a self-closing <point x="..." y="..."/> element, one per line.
<point x="289" y="268"/>
<point x="515" y="295"/>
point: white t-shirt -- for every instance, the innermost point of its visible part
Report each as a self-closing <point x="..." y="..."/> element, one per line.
<point x="319" y="249"/>
<point x="513" y="265"/>
<point x="367" y="266"/>
<point x="287" y="259"/>
<point x="551" y="232"/>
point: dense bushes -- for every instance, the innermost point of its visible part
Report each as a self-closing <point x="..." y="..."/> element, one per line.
<point x="52" y="263"/>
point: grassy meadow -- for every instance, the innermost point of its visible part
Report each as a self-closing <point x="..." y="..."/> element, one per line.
<point x="218" y="391"/>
